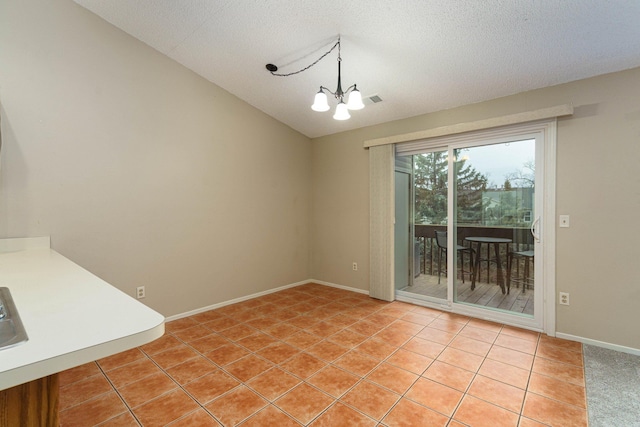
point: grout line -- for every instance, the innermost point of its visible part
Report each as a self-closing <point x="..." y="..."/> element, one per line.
<point x="202" y="406"/>
<point x="115" y="389"/>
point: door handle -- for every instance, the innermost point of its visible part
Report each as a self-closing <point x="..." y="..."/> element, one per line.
<point x="534" y="231"/>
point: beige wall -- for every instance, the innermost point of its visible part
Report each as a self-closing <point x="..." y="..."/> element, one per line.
<point x="141" y="171"/>
<point x="598" y="184"/>
<point x="146" y="174"/>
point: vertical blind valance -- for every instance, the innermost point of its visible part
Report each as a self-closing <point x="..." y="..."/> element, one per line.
<point x="495" y="122"/>
<point x="495" y="134"/>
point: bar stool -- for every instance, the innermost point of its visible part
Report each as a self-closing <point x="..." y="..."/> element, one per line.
<point x="526" y="280"/>
<point x="441" y="241"/>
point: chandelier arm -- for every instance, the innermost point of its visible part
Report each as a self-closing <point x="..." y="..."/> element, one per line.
<point x="335" y="94"/>
<point x="328" y="90"/>
<point x="353" y="86"/>
<point x="337" y="44"/>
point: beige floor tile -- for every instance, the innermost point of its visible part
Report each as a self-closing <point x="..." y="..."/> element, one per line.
<point x="248" y="367"/>
<point x="476" y="412"/>
<point x="553" y="412"/>
<point x="85" y="389"/>
<point x="557" y="389"/>
<point x="273" y="383"/>
<point x="304" y="403"/>
<point x="395" y="379"/>
<point x="435" y="395"/>
<point x="370" y="399"/>
<point x="562" y="371"/>
<point x="199" y="418"/>
<point x="100" y="408"/>
<point x="410" y="361"/>
<point x="211" y="386"/>
<point x="408" y="414"/>
<point x="462" y="359"/>
<point x="424" y="347"/>
<point x="146" y="389"/>
<point x="132" y="372"/>
<point x="227" y="354"/>
<point x="498" y="393"/>
<point x="191" y="369"/>
<point x="209" y="343"/>
<point x="327" y="351"/>
<point x="78" y="373"/>
<point x="340" y="414"/>
<point x="511" y="357"/>
<point x="166" y="408"/>
<point x="505" y="373"/>
<point x="449" y="375"/>
<point x="333" y="381"/>
<point x="120" y="359"/>
<point x="357" y="363"/>
<point x="236" y="406"/>
<point x="270" y="416"/>
<point x="303" y="365"/>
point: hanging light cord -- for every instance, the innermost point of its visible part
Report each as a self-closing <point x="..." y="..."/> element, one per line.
<point x="273" y="71"/>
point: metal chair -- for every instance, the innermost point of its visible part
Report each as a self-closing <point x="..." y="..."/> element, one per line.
<point x="441" y="241"/>
<point x="526" y="280"/>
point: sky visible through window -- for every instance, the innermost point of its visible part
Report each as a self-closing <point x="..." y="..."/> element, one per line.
<point x="500" y="160"/>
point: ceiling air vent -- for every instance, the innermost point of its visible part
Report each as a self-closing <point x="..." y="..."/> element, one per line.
<point x="373" y="99"/>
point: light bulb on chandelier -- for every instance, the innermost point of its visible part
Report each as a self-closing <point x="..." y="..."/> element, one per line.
<point x="320" y="103"/>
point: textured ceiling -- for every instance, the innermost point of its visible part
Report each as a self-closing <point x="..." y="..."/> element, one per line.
<point x="419" y="56"/>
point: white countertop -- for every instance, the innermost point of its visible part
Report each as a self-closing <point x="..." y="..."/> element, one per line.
<point x="71" y="316"/>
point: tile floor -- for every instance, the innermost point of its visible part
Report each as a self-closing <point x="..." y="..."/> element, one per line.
<point x="319" y="356"/>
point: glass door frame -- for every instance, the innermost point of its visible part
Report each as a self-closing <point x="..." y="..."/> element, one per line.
<point x="501" y="316"/>
<point x="544" y="132"/>
<point x="427" y="300"/>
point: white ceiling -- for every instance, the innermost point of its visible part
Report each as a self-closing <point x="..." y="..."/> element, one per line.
<point x="419" y="56"/>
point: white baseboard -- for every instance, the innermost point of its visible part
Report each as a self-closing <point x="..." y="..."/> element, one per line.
<point x="334" y="285"/>
<point x="616" y="347"/>
<point x="259" y="294"/>
<point x="235" y="300"/>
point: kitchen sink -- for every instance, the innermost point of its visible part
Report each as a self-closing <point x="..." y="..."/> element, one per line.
<point x="11" y="330"/>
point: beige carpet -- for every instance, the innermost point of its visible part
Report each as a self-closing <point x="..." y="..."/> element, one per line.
<point x="613" y="387"/>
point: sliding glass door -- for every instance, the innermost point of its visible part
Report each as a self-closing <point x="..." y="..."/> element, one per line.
<point x="476" y="225"/>
<point x="494" y="211"/>
<point x="430" y="210"/>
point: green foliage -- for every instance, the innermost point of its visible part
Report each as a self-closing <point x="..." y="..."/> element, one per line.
<point x="476" y="203"/>
<point x="469" y="190"/>
<point x="430" y="177"/>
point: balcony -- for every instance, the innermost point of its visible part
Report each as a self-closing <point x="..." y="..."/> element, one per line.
<point x="487" y="292"/>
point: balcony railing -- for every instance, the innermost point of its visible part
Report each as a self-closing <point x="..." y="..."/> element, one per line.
<point x="425" y="233"/>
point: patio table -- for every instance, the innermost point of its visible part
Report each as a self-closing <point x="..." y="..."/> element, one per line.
<point x="496" y="241"/>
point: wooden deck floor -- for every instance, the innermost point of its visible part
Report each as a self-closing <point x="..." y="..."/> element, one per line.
<point x="484" y="294"/>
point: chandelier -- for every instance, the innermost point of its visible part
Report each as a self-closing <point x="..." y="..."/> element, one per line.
<point x="321" y="103"/>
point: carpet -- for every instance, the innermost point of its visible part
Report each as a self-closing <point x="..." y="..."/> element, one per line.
<point x="613" y="387"/>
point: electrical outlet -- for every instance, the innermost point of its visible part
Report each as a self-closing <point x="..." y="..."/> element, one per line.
<point x="140" y="292"/>
<point x="355" y="266"/>
<point x="564" y="298"/>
